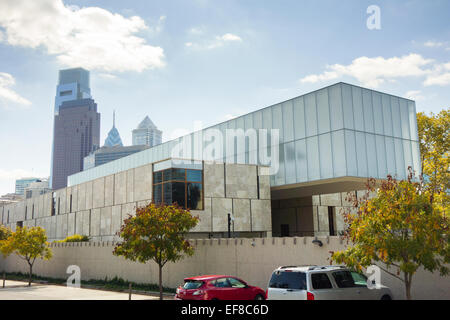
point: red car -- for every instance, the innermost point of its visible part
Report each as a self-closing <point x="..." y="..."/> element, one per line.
<point x="218" y="287"/>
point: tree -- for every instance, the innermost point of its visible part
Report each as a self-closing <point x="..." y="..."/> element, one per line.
<point x="5" y="232"/>
<point x="434" y="142"/>
<point x="400" y="227"/>
<point x="156" y="233"/>
<point x="28" y="244"/>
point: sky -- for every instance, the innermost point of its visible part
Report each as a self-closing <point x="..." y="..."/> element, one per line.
<point x="182" y="61"/>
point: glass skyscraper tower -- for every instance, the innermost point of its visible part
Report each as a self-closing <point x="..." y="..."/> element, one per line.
<point x="76" y="130"/>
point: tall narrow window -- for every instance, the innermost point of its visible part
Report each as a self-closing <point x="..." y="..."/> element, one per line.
<point x="32" y="212"/>
<point x="53" y="204"/>
<point x="70" y="203"/>
<point x="59" y="205"/>
<point x="331" y="220"/>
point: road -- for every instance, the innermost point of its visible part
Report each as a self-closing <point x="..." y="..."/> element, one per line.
<point x="18" y="290"/>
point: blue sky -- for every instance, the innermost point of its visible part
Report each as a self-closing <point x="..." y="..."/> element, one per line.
<point x="184" y="61"/>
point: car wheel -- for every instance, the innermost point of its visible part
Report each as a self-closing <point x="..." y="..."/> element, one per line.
<point x="259" y="297"/>
<point x="386" y="297"/>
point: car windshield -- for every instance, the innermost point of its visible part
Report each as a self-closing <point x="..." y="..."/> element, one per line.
<point x="288" y="280"/>
<point x="192" y="284"/>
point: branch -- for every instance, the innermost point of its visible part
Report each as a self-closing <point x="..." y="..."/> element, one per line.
<point x="392" y="274"/>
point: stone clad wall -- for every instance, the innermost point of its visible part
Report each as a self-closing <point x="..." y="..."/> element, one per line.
<point x="97" y="208"/>
<point x="250" y="259"/>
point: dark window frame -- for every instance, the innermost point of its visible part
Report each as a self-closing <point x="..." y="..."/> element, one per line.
<point x="186" y="182"/>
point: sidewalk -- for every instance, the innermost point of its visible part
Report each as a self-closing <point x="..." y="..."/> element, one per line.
<point x="18" y="290"/>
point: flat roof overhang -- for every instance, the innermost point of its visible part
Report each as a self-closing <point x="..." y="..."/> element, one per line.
<point x="306" y="189"/>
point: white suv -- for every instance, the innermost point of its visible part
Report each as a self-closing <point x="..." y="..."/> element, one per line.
<point x="322" y="283"/>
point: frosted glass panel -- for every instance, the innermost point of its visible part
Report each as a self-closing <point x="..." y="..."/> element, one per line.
<point x="301" y="161"/>
<point x="377" y="113"/>
<point x="288" y="121"/>
<point x="279" y="176"/>
<point x="248" y="121"/>
<point x="361" y="155"/>
<point x="416" y="159"/>
<point x="347" y="105"/>
<point x="323" y="112"/>
<point x="404" y="115"/>
<point x="289" y="160"/>
<point x="311" y="115"/>
<point x="399" y="160"/>
<point x="371" y="155"/>
<point x="299" y="118"/>
<point x="408" y="154"/>
<point x="412" y="120"/>
<point x="312" y="152"/>
<point x="350" y="153"/>
<point x="381" y="157"/>
<point x="326" y="159"/>
<point x="387" y="115"/>
<point x="396" y="123"/>
<point x="338" y="145"/>
<point x="358" y="108"/>
<point x="336" y="112"/>
<point x="277" y="120"/>
<point x="257" y="120"/>
<point x="368" y="111"/>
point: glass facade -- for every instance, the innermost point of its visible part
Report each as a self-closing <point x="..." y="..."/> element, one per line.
<point x="181" y="186"/>
<point x="338" y="131"/>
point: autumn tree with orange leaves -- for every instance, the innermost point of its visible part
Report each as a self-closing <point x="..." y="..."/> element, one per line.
<point x="400" y="229"/>
<point x="156" y="233"/>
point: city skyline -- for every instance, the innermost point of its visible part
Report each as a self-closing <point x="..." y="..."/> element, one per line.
<point x="209" y="61"/>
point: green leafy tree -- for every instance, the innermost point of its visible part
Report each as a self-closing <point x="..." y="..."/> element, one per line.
<point x="434" y="142"/>
<point x="28" y="244"/>
<point x="5" y="232"/>
<point x="400" y="228"/>
<point x="156" y="233"/>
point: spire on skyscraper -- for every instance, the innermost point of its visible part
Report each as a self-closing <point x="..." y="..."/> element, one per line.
<point x="113" y="138"/>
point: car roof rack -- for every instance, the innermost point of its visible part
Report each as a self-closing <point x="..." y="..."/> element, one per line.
<point x="297" y="266"/>
<point x="325" y="267"/>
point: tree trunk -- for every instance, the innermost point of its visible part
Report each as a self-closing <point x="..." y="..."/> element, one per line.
<point x="160" y="283"/>
<point x="30" y="275"/>
<point x="408" y="278"/>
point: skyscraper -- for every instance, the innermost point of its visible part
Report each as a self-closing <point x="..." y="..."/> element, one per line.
<point x="147" y="134"/>
<point x="76" y="125"/>
<point x="113" y="138"/>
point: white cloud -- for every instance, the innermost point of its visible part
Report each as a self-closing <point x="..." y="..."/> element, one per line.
<point x="373" y="72"/>
<point x="91" y="37"/>
<point x="217" y="42"/>
<point x="415" y="95"/>
<point x="433" y="44"/>
<point x="7" y="95"/>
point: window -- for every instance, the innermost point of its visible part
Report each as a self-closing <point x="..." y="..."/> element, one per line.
<point x="192" y="284"/>
<point x="320" y="281"/>
<point x="235" y="283"/>
<point x="359" y="279"/>
<point x="181" y="186"/>
<point x="343" y="279"/>
<point x="53" y="204"/>
<point x="70" y="203"/>
<point x="331" y="220"/>
<point x="222" y="283"/>
<point x="288" y="280"/>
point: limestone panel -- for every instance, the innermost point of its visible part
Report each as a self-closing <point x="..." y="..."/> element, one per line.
<point x="109" y="190"/>
<point x="95" y="222"/>
<point x="75" y="199"/>
<point x="60" y="201"/>
<point x="264" y="187"/>
<point x="261" y="215"/>
<point x="130" y="186"/>
<point x="71" y="220"/>
<point x="40" y="208"/>
<point x="68" y="200"/>
<point x="61" y="226"/>
<point x="143" y="183"/>
<point x="241" y="214"/>
<point x="116" y="219"/>
<point x="89" y="195"/>
<point x="331" y="199"/>
<point x="204" y="224"/>
<point x="105" y="221"/>
<point x="81" y="197"/>
<point x="86" y="218"/>
<point x="241" y="181"/>
<point x="79" y="223"/>
<point x="346" y="196"/>
<point x="120" y="188"/>
<point x="323" y="219"/>
<point x="52" y="226"/>
<point x="220" y="209"/>
<point x="98" y="193"/>
<point x="214" y="182"/>
<point x="47" y="207"/>
<point x="128" y="209"/>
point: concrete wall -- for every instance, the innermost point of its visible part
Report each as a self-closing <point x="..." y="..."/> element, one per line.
<point x="97" y="208"/>
<point x="253" y="263"/>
